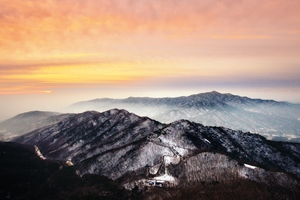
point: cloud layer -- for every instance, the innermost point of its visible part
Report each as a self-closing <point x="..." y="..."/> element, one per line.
<point x="50" y="44"/>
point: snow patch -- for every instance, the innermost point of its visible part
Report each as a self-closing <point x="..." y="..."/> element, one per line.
<point x="252" y="110"/>
<point x="181" y="151"/>
<point x="55" y="140"/>
<point x="299" y="118"/>
<point x="165" y="177"/>
<point x="69" y="163"/>
<point x="38" y="153"/>
<point x="153" y="170"/>
<point x="243" y="173"/>
<point x="168" y="141"/>
<point x="206" y="140"/>
<point x="171" y="160"/>
<point x="250" y="166"/>
<point x="113" y="111"/>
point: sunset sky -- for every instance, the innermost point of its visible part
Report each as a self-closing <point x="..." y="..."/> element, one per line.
<point x="57" y="52"/>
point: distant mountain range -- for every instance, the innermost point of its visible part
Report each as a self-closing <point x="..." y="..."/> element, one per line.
<point x="272" y="119"/>
<point x="26" y="122"/>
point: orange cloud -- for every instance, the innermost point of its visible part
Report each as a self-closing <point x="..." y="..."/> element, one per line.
<point x="121" y="41"/>
<point x="37" y="78"/>
<point x="75" y="26"/>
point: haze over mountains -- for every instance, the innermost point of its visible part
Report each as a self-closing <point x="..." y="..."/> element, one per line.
<point x="140" y="153"/>
<point x="27" y="122"/>
<point x="272" y="119"/>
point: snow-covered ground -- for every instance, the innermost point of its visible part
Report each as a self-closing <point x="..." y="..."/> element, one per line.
<point x="171" y="160"/>
<point x="69" y="163"/>
<point x="38" y="152"/>
<point x="206" y="140"/>
<point x="166" y="177"/>
<point x="153" y="170"/>
<point x="250" y="166"/>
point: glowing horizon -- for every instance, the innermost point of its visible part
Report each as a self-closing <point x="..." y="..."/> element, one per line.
<point x="123" y="48"/>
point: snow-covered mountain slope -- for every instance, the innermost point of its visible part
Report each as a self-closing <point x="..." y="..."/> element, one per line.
<point x="24" y="175"/>
<point x="141" y="151"/>
<point x="278" y="120"/>
<point x="27" y="122"/>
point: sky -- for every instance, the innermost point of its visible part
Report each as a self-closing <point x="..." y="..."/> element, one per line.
<point x="56" y="52"/>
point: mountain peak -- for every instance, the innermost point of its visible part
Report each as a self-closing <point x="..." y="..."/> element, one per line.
<point x="36" y="113"/>
<point x="214" y="92"/>
<point x="214" y="109"/>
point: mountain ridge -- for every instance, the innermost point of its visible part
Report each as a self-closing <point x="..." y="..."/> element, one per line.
<point x="267" y="117"/>
<point x="207" y="96"/>
<point x="28" y="121"/>
<point x="44" y="179"/>
<point x="121" y="145"/>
